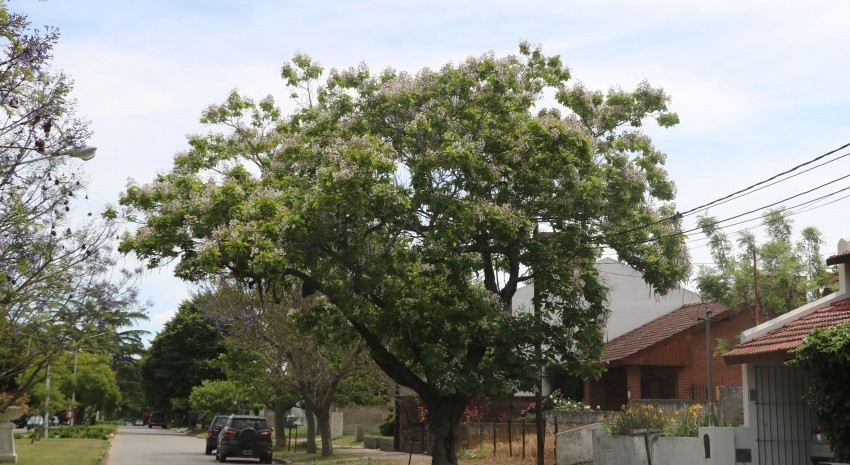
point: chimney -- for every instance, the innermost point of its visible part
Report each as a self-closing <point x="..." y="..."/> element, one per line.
<point x="842" y="258"/>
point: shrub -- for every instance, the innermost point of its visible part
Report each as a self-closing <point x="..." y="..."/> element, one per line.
<point x="635" y="417"/>
<point x="101" y="431"/>
<point x="687" y="423"/>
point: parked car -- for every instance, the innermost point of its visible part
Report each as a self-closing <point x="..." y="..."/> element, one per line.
<point x="245" y="436"/>
<point x="35" y="420"/>
<point x="139" y="422"/>
<point x="157" y="419"/>
<point x="212" y="432"/>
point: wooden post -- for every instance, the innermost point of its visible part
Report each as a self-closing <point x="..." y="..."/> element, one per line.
<point x="523" y="438"/>
<point x="510" y="439"/>
<point x="494" y="439"/>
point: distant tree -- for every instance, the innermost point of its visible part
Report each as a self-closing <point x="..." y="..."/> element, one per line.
<point x="220" y="396"/>
<point x="180" y="357"/>
<point x="825" y="357"/>
<point x="418" y="204"/>
<point x="300" y="343"/>
<point x="789" y="274"/>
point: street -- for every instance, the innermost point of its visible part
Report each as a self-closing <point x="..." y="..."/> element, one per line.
<point x="139" y="445"/>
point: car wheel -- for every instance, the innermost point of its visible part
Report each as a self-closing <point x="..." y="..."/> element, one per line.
<point x="267" y="459"/>
<point x="220" y="457"/>
<point x="164" y="426"/>
<point x="150" y="425"/>
<point x="209" y="451"/>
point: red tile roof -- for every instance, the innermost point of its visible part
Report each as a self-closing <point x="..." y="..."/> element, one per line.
<point x="659" y="329"/>
<point x="843" y="257"/>
<point x="783" y="339"/>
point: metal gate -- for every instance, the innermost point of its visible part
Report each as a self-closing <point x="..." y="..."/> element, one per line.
<point x="784" y="419"/>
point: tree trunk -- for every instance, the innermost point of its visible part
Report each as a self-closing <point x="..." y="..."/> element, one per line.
<point x="323" y="417"/>
<point x="280" y="409"/>
<point x="446" y="413"/>
<point x="311" y="430"/>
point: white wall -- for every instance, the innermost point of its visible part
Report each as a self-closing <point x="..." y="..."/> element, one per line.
<point x="631" y="300"/>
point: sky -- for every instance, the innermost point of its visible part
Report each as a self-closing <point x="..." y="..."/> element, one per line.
<point x="759" y="86"/>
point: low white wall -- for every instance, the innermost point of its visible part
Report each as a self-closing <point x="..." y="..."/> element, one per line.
<point x="677" y="451"/>
<point x="575" y="446"/>
<point x="629" y="450"/>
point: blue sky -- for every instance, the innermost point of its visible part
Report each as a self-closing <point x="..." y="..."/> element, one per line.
<point x="760" y="86"/>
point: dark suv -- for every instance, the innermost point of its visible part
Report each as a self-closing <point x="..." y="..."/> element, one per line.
<point x="245" y="436"/>
<point x="213" y="430"/>
<point x="157" y="419"/>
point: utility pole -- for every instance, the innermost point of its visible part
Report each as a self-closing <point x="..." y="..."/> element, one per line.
<point x="47" y="405"/>
<point x="756" y="286"/>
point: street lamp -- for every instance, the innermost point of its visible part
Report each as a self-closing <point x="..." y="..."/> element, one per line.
<point x="86" y="153"/>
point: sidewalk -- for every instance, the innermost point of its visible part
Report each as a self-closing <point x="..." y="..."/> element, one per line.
<point x="373" y="454"/>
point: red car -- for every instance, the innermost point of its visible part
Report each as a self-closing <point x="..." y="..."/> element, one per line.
<point x="158" y="419"/>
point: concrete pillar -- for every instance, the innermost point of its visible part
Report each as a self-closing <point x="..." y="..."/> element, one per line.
<point x="7" y="443"/>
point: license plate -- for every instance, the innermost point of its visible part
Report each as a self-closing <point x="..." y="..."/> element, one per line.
<point x="247" y="452"/>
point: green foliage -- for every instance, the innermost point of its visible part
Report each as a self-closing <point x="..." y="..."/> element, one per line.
<point x="635" y="417"/>
<point x="100" y="431"/>
<point x="180" y="357"/>
<point x="789" y="275"/>
<point x="416" y="205"/>
<point x="646" y="416"/>
<point x="220" y="396"/>
<point x="825" y="357"/>
<point x="387" y="428"/>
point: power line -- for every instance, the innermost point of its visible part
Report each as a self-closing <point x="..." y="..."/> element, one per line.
<point x="728" y="197"/>
<point x="685" y="232"/>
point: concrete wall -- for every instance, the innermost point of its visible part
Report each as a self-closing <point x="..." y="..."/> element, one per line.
<point x="575" y="447"/>
<point x="630" y="450"/>
<point x="368" y="418"/>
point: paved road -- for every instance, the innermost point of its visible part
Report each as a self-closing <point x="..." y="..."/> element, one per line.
<point x="140" y="445"/>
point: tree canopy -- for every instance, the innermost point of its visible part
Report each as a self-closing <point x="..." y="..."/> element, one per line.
<point x="180" y="357"/>
<point x="789" y="274"/>
<point x="418" y="204"/>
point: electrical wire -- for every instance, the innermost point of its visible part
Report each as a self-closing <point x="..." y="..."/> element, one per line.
<point x="729" y="197"/>
<point x="685" y="232"/>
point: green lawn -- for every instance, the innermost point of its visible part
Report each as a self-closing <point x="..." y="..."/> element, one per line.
<point x="58" y="451"/>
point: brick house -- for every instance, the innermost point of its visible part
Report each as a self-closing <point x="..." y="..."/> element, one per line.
<point x="666" y="358"/>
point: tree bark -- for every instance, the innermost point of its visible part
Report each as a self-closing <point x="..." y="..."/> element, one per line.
<point x="323" y="418"/>
<point x="446" y="413"/>
<point x="311" y="430"/>
<point x="280" y="409"/>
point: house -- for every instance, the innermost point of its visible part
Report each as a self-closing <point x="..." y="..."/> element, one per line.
<point x="779" y="427"/>
<point x="632" y="303"/>
<point x="666" y="358"/>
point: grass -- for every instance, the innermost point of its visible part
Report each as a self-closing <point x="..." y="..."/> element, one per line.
<point x="58" y="451"/>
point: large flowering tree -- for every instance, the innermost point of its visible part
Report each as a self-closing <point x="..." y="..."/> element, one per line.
<point x="418" y="204"/>
<point x="55" y="267"/>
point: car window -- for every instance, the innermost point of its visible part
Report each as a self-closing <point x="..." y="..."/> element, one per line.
<point x="243" y="423"/>
<point x="218" y="421"/>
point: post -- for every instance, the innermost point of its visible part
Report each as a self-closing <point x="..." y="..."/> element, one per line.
<point x="47" y="405"/>
<point x="756" y="287"/>
<point x="708" y="366"/>
<point x="74" y="390"/>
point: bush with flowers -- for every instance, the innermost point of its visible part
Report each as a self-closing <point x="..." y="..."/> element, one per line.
<point x="557" y="402"/>
<point x="652" y="417"/>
